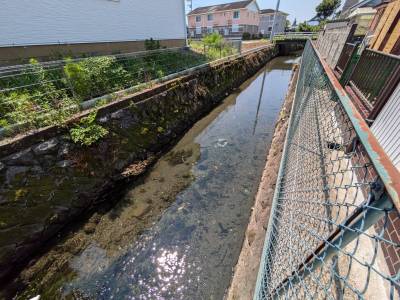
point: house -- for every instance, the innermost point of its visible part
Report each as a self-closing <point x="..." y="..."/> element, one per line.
<point x="315" y="21"/>
<point x="53" y="27"/>
<point x="230" y="20"/>
<point x="350" y="6"/>
<point x="267" y="17"/>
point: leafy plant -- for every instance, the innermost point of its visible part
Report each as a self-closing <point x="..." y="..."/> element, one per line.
<point x="152" y="44"/>
<point x="327" y="8"/>
<point x="40" y="96"/>
<point x="88" y="132"/>
<point x="246" y="36"/>
<point x="95" y="76"/>
<point x="304" y="27"/>
<point x="213" y="40"/>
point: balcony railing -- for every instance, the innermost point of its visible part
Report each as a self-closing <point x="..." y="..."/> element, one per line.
<point x="345" y="57"/>
<point x="373" y="79"/>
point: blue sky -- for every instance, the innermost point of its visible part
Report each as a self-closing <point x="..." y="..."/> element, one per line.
<point x="300" y="9"/>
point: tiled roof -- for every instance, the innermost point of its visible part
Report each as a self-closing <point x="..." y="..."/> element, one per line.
<point x="270" y="11"/>
<point x="221" y="7"/>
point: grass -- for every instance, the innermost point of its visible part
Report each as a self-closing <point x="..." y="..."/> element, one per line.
<point x="213" y="47"/>
<point x="39" y="96"/>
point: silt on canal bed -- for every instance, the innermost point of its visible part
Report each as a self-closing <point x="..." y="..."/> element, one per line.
<point x="178" y="232"/>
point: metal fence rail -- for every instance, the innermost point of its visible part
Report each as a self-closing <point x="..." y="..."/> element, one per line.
<point x="345" y="57"/>
<point x="296" y="36"/>
<point x="371" y="74"/>
<point x="332" y="231"/>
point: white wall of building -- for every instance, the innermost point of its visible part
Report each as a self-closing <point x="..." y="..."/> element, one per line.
<point x="267" y="21"/>
<point x="27" y="22"/>
<point x="387" y="128"/>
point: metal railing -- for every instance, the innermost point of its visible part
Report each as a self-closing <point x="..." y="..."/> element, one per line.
<point x="345" y="57"/>
<point x="372" y="74"/>
<point x="334" y="219"/>
<point x="289" y="36"/>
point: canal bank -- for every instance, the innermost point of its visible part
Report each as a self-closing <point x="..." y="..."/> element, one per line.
<point x="47" y="180"/>
<point x="178" y="232"/>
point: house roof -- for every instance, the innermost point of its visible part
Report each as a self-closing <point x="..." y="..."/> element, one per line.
<point x="221" y="7"/>
<point x="366" y="3"/>
<point x="271" y="11"/>
<point x="348" y="4"/>
<point x="361" y="11"/>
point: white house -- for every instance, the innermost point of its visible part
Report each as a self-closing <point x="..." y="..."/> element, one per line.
<point x="267" y="18"/>
<point x="38" y="27"/>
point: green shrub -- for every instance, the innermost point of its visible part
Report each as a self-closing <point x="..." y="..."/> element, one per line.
<point x="152" y="44"/>
<point x="87" y="132"/>
<point x="40" y="97"/>
<point x="95" y="76"/>
<point x="246" y="36"/>
<point x="213" y="40"/>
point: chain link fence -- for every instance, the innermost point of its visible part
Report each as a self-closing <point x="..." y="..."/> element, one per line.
<point x="333" y="230"/>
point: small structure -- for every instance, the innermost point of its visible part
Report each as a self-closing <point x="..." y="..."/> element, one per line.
<point x="230" y="20"/>
<point x="267" y="17"/>
<point x="351" y="5"/>
<point x="363" y="18"/>
<point x="385" y="28"/>
<point x="58" y="27"/>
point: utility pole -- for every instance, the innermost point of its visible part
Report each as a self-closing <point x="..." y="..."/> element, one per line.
<point x="275" y="15"/>
<point x="190" y="4"/>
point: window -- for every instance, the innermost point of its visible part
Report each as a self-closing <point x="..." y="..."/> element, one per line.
<point x="235" y="28"/>
<point x="198" y="30"/>
<point x="236" y="14"/>
<point x="209" y="29"/>
<point x="269" y="28"/>
<point x="198" y="18"/>
<point x="210" y="17"/>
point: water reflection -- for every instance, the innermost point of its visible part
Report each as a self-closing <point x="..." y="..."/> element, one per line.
<point x="190" y="252"/>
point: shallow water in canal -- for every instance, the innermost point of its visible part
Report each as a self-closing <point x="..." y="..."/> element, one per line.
<point x="191" y="250"/>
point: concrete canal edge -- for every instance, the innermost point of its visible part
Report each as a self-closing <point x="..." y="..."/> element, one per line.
<point x="47" y="181"/>
<point x="246" y="271"/>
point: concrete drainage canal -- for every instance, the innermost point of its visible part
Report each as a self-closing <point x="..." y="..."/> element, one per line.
<point x="177" y="232"/>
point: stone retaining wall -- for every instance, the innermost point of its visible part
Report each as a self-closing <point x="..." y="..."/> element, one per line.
<point x="47" y="181"/>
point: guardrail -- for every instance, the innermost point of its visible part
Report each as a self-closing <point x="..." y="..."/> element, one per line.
<point x="375" y="73"/>
<point x="333" y="231"/>
<point x="345" y="57"/>
<point x="289" y="36"/>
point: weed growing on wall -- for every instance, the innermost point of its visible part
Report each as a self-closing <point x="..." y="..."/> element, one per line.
<point x="87" y="132"/>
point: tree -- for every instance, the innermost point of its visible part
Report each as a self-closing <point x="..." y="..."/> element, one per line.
<point x="304" y="27"/>
<point x="294" y="23"/>
<point x="287" y="25"/>
<point x="327" y="8"/>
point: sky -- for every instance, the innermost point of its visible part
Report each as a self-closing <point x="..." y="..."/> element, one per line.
<point x="302" y="10"/>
